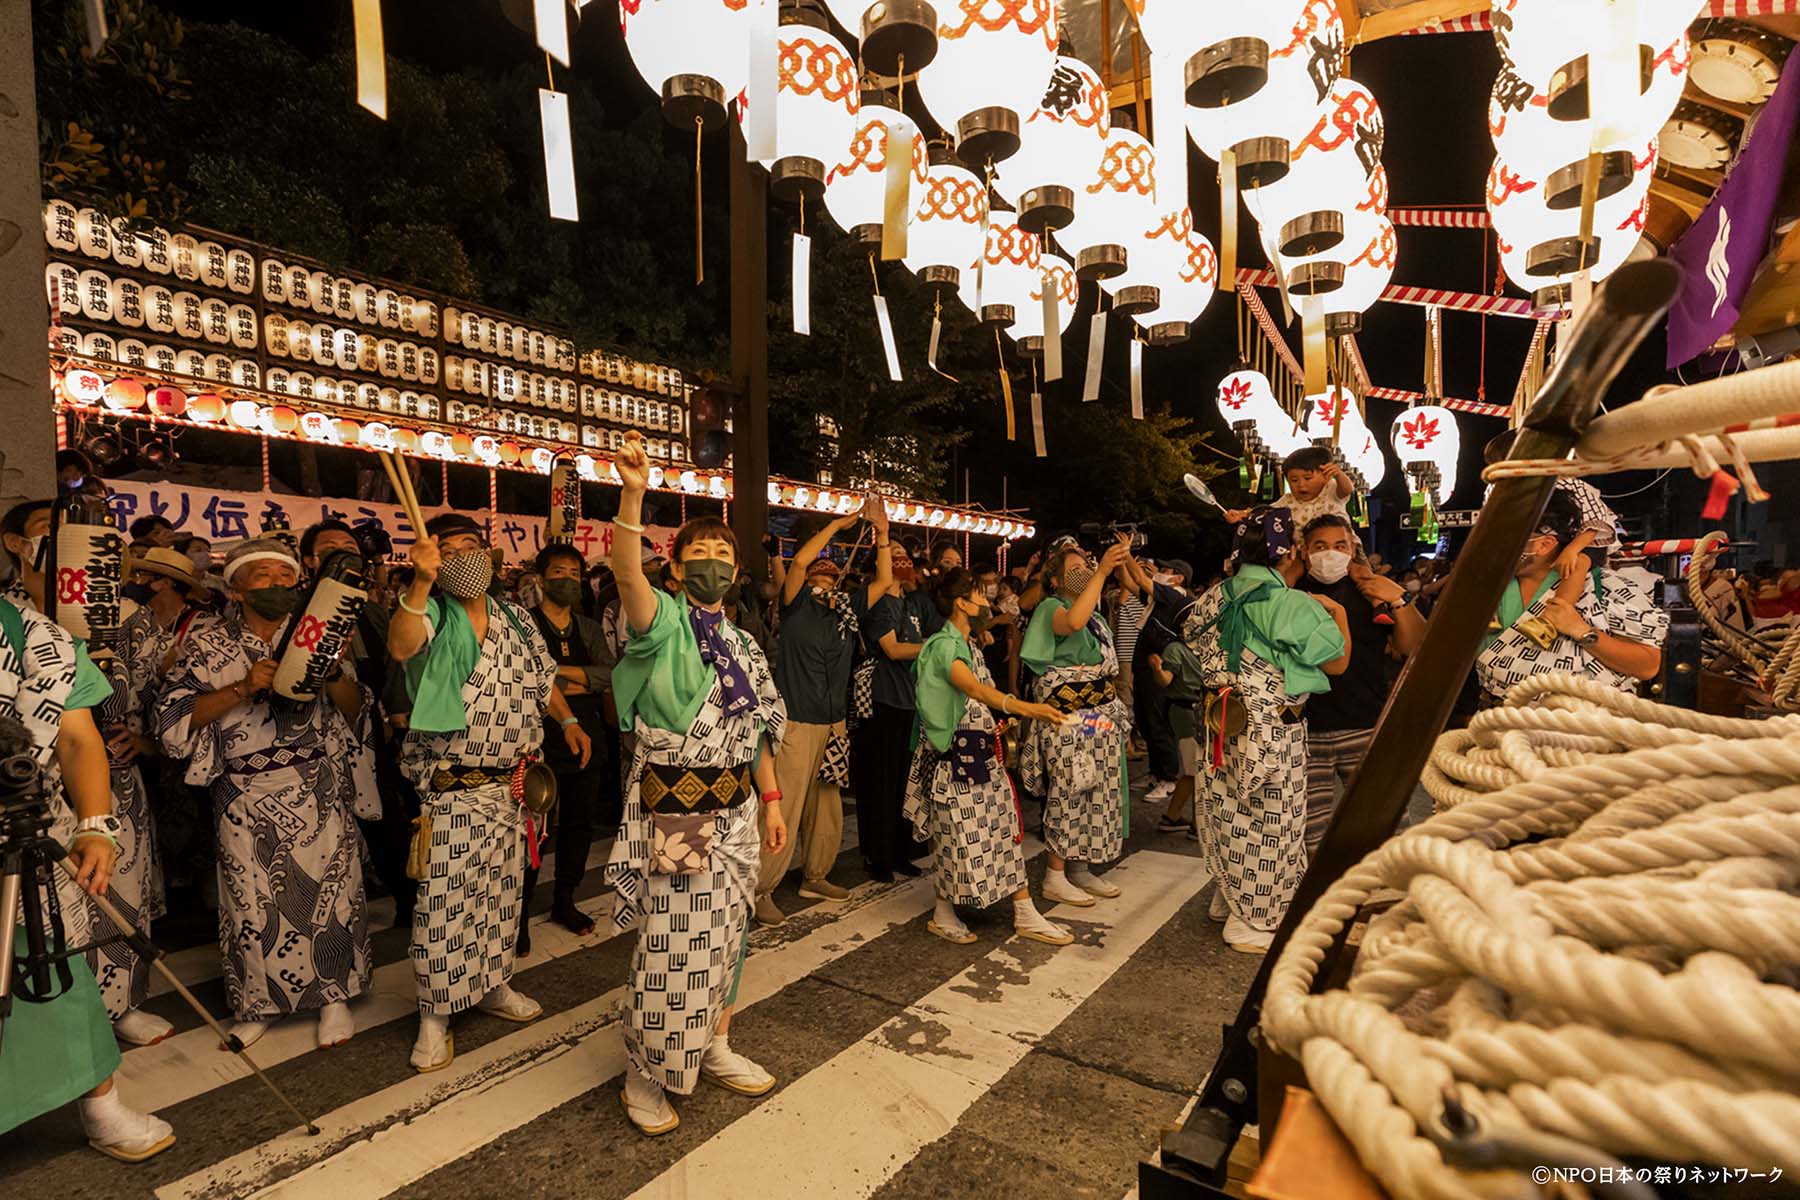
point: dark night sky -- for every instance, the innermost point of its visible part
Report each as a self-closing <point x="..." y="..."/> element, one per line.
<point x="1433" y="92"/>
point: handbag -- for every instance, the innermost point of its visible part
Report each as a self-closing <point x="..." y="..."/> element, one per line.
<point x="862" y="690"/>
<point x="836" y="767"/>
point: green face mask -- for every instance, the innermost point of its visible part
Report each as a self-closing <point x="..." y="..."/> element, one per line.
<point x="273" y="603"/>
<point x="706" y="580"/>
<point x="563" y="592"/>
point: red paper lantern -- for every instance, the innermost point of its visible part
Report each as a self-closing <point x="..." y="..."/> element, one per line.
<point x="347" y="431"/>
<point x="82" y="386"/>
<point x="406" y="440"/>
<point x="124" y="395"/>
<point x="462" y="445"/>
<point x="168" y="401"/>
<point x="206" y="408"/>
<point x="283" y="420"/>
<point x="509" y="453"/>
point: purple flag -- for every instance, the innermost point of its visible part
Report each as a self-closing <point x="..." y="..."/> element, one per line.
<point x="1719" y="253"/>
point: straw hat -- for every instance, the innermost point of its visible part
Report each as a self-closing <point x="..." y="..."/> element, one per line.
<point x="159" y="560"/>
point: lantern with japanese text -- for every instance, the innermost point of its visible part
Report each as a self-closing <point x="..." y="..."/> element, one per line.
<point x="945" y="238"/>
<point x="694" y="53"/>
<point x="1060" y="148"/>
<point x="82" y="386"/>
<point x="993" y="59"/>
<point x="1539" y="244"/>
<point x="168" y="401"/>
<point x="1329" y="167"/>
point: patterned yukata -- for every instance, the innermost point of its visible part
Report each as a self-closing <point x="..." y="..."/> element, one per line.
<point x="285" y="780"/>
<point x="65" y="1048"/>
<point x="1612" y="603"/>
<point x="1079" y="768"/>
<point x="468" y="909"/>
<point x="972" y="821"/>
<point x="693" y="927"/>
<point x="1253" y="821"/>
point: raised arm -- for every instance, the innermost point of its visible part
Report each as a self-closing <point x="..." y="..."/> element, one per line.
<point x="876" y="510"/>
<point x="795" y="577"/>
<point x="408" y="630"/>
<point x="637" y="596"/>
<point x="1077" y="614"/>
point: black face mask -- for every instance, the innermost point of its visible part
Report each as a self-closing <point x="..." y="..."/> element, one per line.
<point x="980" y="619"/>
<point x="273" y="603"/>
<point x="563" y="592"/>
<point x="139" y="593"/>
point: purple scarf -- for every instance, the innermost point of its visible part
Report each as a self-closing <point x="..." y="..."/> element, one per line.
<point x="734" y="681"/>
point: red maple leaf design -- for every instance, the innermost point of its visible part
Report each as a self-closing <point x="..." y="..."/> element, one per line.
<point x="1326" y="413"/>
<point x="1419" y="432"/>
<point x="1235" y="394"/>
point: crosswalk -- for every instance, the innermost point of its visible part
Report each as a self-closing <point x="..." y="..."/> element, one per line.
<point x="908" y="1067"/>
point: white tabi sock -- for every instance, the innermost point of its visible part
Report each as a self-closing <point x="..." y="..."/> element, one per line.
<point x="947" y="920"/>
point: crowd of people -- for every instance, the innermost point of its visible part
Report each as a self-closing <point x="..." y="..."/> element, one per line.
<point x="708" y="722"/>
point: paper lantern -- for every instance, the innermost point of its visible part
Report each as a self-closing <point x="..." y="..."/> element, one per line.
<point x="128" y="302"/>
<point x="190" y="316"/>
<point x="989" y="73"/>
<point x="59" y="226"/>
<point x="348" y="432"/>
<point x="1428" y="444"/>
<point x="168" y="401"/>
<point x="246" y="373"/>
<point x="93" y="233"/>
<point x="406" y="440"/>
<point x="816" y="98"/>
<point x="82" y="386"/>
<point x="1328" y="173"/>
<point x="461" y="444"/>
<point x="363" y="300"/>
<point x="377" y="436"/>
<point x="1060" y="148"/>
<point x="1028" y="325"/>
<point x="132" y="352"/>
<point x="856" y="183"/>
<point x="215" y="319"/>
<point x="317" y="427"/>
<point x="1334" y="405"/>
<point x="1365" y="277"/>
<point x="945" y="238"/>
<point x="62" y="287"/>
<point x="274" y="281"/>
<point x="244" y="414"/>
<point x="300" y="383"/>
<point x="159" y="309"/>
<point x="436" y="444"/>
<point x="387" y="304"/>
<point x="486" y="449"/>
<point x="156" y="250"/>
<point x="694" y="53"/>
<point x="1113" y="207"/>
<point x="190" y="362"/>
<point x="95" y="292"/>
<point x="243" y="326"/>
<point x="1185" y="271"/>
<point x="509" y="453"/>
<point x="240" y="271"/>
<point x="101" y="345"/>
<point x="206" y="408"/>
<point x="162" y="358"/>
<point x="1002" y="288"/>
<point x="897" y="35"/>
<point x="218" y="368"/>
<point x="1539" y="243"/>
<point x="184" y="257"/>
<point x="212" y="265"/>
<point x="280" y="420"/>
<point x="1296" y="48"/>
<point x="126" y="250"/>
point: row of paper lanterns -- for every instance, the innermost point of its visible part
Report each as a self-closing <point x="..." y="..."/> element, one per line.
<point x="124" y="301"/>
<point x="85" y="388"/>
<point x="645" y="377"/>
<point x="1578" y="76"/>
<point x="89" y="232"/>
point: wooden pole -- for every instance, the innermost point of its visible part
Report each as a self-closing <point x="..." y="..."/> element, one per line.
<point x="749" y="354"/>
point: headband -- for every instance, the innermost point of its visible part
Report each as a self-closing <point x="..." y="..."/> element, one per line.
<point x="1277" y="531"/>
<point x="244" y="560"/>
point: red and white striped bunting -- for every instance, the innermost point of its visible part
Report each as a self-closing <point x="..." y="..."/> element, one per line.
<point x="1477" y="407"/>
<point x="1441" y="218"/>
<point x="1653" y="548"/>
<point x="1482" y="22"/>
<point x="1498" y="306"/>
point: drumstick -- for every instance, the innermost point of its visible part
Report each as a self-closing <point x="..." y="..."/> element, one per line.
<point x="402" y="485"/>
<point x="412" y="496"/>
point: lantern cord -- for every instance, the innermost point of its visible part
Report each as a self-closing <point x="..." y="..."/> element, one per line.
<point x="699" y="226"/>
<point x="876" y="277"/>
<point x="900" y="67"/>
<point x="549" y="72"/>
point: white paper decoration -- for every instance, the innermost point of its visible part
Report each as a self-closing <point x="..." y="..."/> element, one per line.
<point x="159" y="308"/>
<point x="93" y="233"/>
<point x="128" y="303"/>
<point x="274" y="282"/>
<point x="59" y="226"/>
<point x="184" y="257"/>
<point x="240" y="271"/>
<point x="132" y="352"/>
<point x="190" y="362"/>
<point x="218" y="368"/>
<point x="96" y="295"/>
<point x="300" y="340"/>
<point x="324" y="293"/>
<point x="243" y="327"/>
<point x="62" y="286"/>
<point x="246" y="374"/>
<point x="125" y="249"/>
<point x="99" y="344"/>
<point x="156" y="250"/>
<point x="216" y="320"/>
<point x="163" y="358"/>
<point x="212" y="264"/>
<point x="299" y="287"/>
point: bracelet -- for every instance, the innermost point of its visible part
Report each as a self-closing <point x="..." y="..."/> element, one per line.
<point x="568" y="721"/>
<point x="401" y="599"/>
<point x="622" y="523"/>
<point x="1005" y="703"/>
<point x="99" y="833"/>
<point x="772" y="796"/>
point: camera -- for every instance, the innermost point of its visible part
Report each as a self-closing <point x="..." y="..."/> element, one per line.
<point x="1099" y="536"/>
<point x="373" y="539"/>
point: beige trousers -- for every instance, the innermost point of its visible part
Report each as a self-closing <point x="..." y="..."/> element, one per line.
<point x="812" y="808"/>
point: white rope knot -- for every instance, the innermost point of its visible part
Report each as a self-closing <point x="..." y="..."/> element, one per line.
<point x="1598" y="938"/>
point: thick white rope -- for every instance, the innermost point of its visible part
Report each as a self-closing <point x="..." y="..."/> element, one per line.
<point x="1598" y="937"/>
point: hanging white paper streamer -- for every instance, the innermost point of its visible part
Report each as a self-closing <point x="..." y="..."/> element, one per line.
<point x="802" y="284"/>
<point x="887" y="338"/>
<point x="765" y="56"/>
<point x="1096" y="360"/>
<point x="95" y="12"/>
<point x="1137" y="380"/>
<point x="559" y="154"/>
<point x="1037" y="423"/>
<point x="1168" y="111"/>
<point x="552" y="20"/>
<point x="1052" y="329"/>
<point x="896" y="209"/>
<point x="937" y="330"/>
<point x="371" y="58"/>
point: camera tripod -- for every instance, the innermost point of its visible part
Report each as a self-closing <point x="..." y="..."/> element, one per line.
<point x="25" y="852"/>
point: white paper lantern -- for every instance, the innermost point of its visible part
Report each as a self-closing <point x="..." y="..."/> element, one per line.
<point x="1538" y="243"/>
<point x="243" y="327"/>
<point x="1338" y="405"/>
<point x="324" y="293"/>
<point x="387" y="302"/>
<point x="218" y="368"/>
<point x="240" y="271"/>
<point x="1113" y="207"/>
<point x="299" y="287"/>
<point x="1428" y="443"/>
<point x="363" y="299"/>
<point x="409" y="361"/>
<point x="246" y="374"/>
<point x="368" y="395"/>
<point x="275" y="334"/>
<point x="300" y="340"/>
<point x="60" y="225"/>
<point x="989" y="73"/>
<point x="1308" y="210"/>
<point x="428" y="365"/>
<point x="128" y="302"/>
<point x="62" y="287"/>
<point x="163" y="358"/>
<point x="694" y="53"/>
<point x="274" y="282"/>
<point x="343" y="298"/>
<point x="215" y="315"/>
<point x="155" y="242"/>
<point x="190" y="362"/>
<point x="816" y="100"/>
<point x="93" y="233"/>
<point x="1060" y="148"/>
<point x="100" y="345"/>
<point x="387" y="357"/>
<point x="856" y="183"/>
<point x="1028" y="327"/>
<point x="1366" y="276"/>
<point x="94" y="291"/>
<point x="159" y="309"/>
<point x="184" y="257"/>
<point x="126" y="250"/>
<point x="132" y="352"/>
<point x="346" y="347"/>
<point x="324" y="345"/>
<point x="1185" y="271"/>
<point x="1002" y="288"/>
<point x="945" y="238"/>
<point x="425" y="318"/>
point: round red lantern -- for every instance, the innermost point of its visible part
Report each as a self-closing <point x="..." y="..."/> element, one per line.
<point x="462" y="445"/>
<point x="406" y="440"/>
<point x="124" y="395"/>
<point x="168" y="401"/>
<point x="206" y="408"/>
<point x="347" y="432"/>
<point x="283" y="420"/>
<point x="509" y="453"/>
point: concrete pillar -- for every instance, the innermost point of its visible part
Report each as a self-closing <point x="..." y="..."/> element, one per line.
<point x="28" y="451"/>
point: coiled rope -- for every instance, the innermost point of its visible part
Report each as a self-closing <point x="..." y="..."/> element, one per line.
<point x="1598" y="937"/>
<point x="1776" y="669"/>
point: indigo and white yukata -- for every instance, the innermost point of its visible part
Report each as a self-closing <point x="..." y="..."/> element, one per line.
<point x="958" y="795"/>
<point x="64" y="1048"/>
<point x="1611" y="603"/>
<point x="1265" y="641"/>
<point x="693" y="927"/>
<point x="286" y="781"/>
<point x="480" y="707"/>
<point x="1079" y="767"/>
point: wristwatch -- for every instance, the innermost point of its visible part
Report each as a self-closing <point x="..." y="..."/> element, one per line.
<point x="1405" y="601"/>
<point x="1590" y="639"/>
<point x="106" y="825"/>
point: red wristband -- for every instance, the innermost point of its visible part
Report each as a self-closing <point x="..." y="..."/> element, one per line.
<point x="772" y="796"/>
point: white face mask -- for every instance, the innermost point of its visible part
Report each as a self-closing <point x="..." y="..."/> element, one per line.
<point x="34" y="550"/>
<point x="1413" y="586"/>
<point x="1328" y="566"/>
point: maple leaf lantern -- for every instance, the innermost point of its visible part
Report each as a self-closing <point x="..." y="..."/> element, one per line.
<point x="1428" y="443"/>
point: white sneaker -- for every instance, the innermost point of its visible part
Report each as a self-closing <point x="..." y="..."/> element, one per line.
<point x="436" y="1045"/>
<point x="1059" y="890"/>
<point x="509" y="1005"/>
<point x="1161" y="791"/>
<point x="729" y="1069"/>
<point x="1245" y="940"/>
<point x="1092" y="884"/>
<point x="124" y="1133"/>
<point x="646" y="1104"/>
<point x="139" y="1028"/>
<point x="248" y="1033"/>
<point x="1219" y="908"/>
<point x="336" y="1025"/>
<point x="1033" y="925"/>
